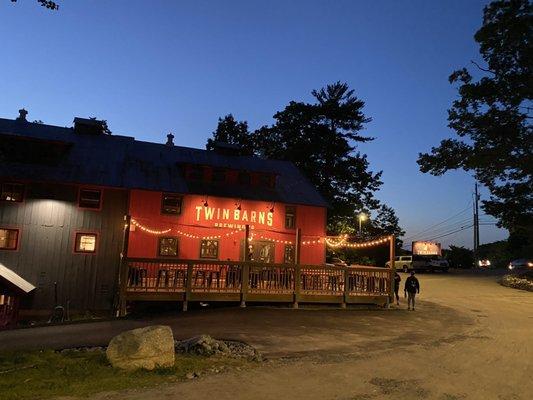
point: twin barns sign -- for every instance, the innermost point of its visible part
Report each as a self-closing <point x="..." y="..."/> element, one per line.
<point x="228" y="218"/>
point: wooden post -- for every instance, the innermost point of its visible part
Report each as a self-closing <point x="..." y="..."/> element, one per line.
<point x="123" y="268"/>
<point x="297" y="269"/>
<point x="298" y="246"/>
<point x="188" y="289"/>
<point x="346" y="287"/>
<point x="245" y="267"/>
<point x="297" y="285"/>
<point x="392" y="267"/>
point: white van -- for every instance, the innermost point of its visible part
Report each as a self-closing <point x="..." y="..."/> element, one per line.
<point x="402" y="263"/>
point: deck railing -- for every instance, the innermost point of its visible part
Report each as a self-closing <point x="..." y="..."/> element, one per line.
<point x="185" y="280"/>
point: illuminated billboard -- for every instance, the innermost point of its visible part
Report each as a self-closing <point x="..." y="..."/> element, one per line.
<point x="427" y="249"/>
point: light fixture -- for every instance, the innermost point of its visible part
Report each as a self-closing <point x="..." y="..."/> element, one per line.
<point x="205" y="201"/>
<point x="238" y="205"/>
<point x="271" y="209"/>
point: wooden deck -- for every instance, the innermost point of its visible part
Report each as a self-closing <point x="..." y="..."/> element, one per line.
<point x="200" y="280"/>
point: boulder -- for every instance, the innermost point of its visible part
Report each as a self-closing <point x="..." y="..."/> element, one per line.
<point x="143" y="348"/>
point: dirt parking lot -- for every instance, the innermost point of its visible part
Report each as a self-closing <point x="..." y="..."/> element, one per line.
<point x="470" y="338"/>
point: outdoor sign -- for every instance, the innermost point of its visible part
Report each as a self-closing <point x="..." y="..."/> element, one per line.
<point x="236" y="218"/>
<point x="426" y="249"/>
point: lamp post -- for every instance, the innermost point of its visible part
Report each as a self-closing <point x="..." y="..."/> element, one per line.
<point x="362" y="217"/>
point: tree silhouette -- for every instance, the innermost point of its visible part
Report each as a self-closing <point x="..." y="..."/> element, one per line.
<point x="52" y="5"/>
<point x="492" y="119"/>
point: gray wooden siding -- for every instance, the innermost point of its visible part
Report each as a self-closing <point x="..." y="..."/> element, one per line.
<point x="48" y="219"/>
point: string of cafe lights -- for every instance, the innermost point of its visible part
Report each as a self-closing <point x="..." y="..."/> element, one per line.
<point x="149" y="230"/>
<point x="339" y="241"/>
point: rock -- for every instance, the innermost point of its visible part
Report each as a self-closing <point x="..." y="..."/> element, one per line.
<point x="190" y="375"/>
<point x="143" y="348"/>
<point x="203" y="345"/>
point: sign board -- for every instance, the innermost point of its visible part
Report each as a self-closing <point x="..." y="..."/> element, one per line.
<point x="422" y="248"/>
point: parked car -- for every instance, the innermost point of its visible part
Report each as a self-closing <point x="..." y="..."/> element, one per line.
<point x="336" y="262"/>
<point x="403" y="263"/>
<point x="484" y="263"/>
<point x="521" y="263"/>
<point x="420" y="263"/>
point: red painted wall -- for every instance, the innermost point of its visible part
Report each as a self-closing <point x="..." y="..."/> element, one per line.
<point x="195" y="219"/>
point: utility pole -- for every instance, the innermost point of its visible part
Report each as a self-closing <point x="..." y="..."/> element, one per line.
<point x="476" y="223"/>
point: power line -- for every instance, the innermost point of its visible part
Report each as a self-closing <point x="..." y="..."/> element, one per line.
<point x="451" y="233"/>
<point x="439" y="223"/>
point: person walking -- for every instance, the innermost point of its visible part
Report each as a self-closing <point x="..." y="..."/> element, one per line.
<point x="397" y="280"/>
<point x="411" y="288"/>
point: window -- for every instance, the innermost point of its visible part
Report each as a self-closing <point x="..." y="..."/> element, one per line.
<point x="85" y="243"/>
<point x="90" y="198"/>
<point x="266" y="180"/>
<point x="168" y="246"/>
<point x="209" y="248"/>
<point x="195" y="173"/>
<point x="244" y="178"/>
<point x="290" y="217"/>
<point x="171" y="204"/>
<point x="12" y="192"/>
<point x="219" y="175"/>
<point x="289" y="254"/>
<point x="9" y="239"/>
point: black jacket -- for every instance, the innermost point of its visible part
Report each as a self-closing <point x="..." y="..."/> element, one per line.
<point x="397" y="280"/>
<point x="412" y="285"/>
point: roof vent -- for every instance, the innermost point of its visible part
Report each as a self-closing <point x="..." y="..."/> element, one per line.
<point x="170" y="140"/>
<point x="22" y="115"/>
<point x="88" y="126"/>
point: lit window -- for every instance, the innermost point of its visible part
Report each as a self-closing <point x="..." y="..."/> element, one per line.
<point x="9" y="239"/>
<point x="209" y="249"/>
<point x="85" y="243"/>
<point x="290" y="217"/>
<point x="168" y="246"/>
<point x="12" y="192"/>
<point x="90" y="198"/>
<point x="289" y="254"/>
<point x="171" y="204"/>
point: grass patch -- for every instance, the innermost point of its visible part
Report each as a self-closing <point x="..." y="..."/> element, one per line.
<point x="44" y="374"/>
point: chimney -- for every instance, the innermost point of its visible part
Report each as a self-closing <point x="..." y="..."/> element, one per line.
<point x="170" y="139"/>
<point x="22" y="115"/>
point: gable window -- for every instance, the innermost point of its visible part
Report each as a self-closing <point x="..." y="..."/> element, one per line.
<point x="85" y="243"/>
<point x="9" y="239"/>
<point x="288" y="255"/>
<point x="195" y="173"/>
<point x="90" y="198"/>
<point x="266" y="180"/>
<point x="12" y="192"/>
<point x="244" y="178"/>
<point x="168" y="246"/>
<point x="290" y="217"/>
<point x="218" y="175"/>
<point x="171" y="204"/>
<point x="209" y="248"/>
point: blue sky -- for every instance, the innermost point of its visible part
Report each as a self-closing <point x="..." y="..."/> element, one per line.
<point x="159" y="66"/>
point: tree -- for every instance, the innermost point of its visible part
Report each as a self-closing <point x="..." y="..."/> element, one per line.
<point x="459" y="257"/>
<point x="492" y="118"/>
<point x="51" y="5"/>
<point x="232" y="132"/>
<point x="320" y="139"/>
<point x="386" y="223"/>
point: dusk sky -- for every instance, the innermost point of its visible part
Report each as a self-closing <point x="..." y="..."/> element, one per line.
<point x="155" y="67"/>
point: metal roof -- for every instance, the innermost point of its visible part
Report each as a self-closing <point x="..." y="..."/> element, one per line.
<point x="123" y="162"/>
<point x="15" y="279"/>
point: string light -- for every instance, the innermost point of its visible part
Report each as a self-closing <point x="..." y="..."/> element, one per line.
<point x="371" y="243"/>
<point x="148" y="230"/>
<point x="276" y="240"/>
